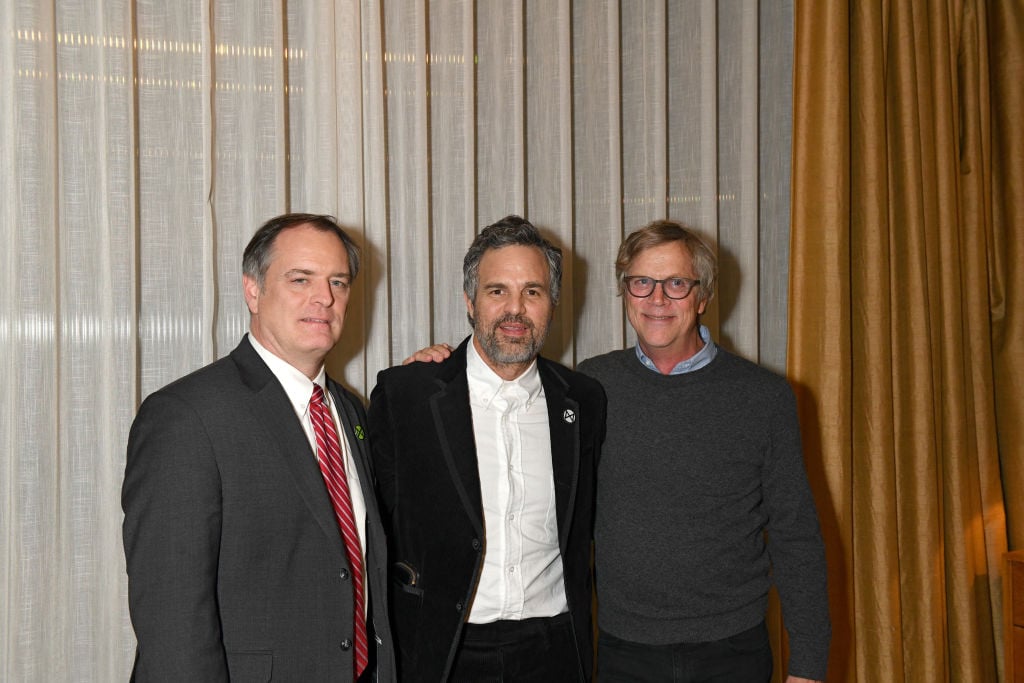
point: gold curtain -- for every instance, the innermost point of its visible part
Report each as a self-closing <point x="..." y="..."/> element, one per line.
<point x="905" y="331"/>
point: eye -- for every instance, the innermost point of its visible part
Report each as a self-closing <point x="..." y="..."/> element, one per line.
<point x="340" y="283"/>
<point x="677" y="282"/>
<point x="642" y="281"/>
<point x="299" y="280"/>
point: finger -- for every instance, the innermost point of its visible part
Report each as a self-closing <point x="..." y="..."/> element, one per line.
<point x="431" y="354"/>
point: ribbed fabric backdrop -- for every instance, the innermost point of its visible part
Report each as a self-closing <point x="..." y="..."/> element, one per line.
<point x="143" y="142"/>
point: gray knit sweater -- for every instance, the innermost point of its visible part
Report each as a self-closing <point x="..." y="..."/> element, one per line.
<point x="693" y="469"/>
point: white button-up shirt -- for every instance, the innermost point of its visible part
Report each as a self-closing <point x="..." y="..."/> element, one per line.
<point x="522" y="572"/>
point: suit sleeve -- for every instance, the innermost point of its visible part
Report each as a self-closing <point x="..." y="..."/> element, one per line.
<point x="172" y="504"/>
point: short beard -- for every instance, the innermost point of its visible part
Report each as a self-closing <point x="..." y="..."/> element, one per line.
<point x="521" y="351"/>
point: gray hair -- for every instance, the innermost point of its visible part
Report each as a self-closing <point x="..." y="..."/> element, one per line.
<point x="510" y="231"/>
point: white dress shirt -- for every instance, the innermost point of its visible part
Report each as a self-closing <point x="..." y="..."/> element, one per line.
<point x="299" y="389"/>
<point x="522" y="572"/>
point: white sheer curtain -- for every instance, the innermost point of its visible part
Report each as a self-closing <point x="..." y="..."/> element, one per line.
<point x="143" y="142"/>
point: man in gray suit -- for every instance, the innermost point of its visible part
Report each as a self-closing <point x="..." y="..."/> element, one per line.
<point x="242" y="563"/>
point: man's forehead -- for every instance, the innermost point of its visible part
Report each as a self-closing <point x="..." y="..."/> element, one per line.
<point x="513" y="253"/>
<point x="675" y="250"/>
<point x="295" y="248"/>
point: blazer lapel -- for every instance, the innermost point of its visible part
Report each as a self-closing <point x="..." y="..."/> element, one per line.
<point x="275" y="413"/>
<point x="563" y="423"/>
<point x="453" y="420"/>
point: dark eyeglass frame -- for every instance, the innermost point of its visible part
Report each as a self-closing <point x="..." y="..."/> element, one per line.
<point x="630" y="279"/>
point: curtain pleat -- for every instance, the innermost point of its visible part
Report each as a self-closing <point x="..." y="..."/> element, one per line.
<point x="453" y="209"/>
<point x="143" y="142"/>
<point x="891" y="332"/>
<point x="1005" y="251"/>
<point x="548" y="162"/>
<point x="597" y="178"/>
<point x="408" y="178"/>
<point x="819" y="359"/>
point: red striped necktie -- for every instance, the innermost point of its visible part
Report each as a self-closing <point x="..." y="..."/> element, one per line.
<point x="328" y="451"/>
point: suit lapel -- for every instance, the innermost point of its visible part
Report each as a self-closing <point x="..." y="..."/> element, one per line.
<point x="563" y="423"/>
<point x="273" y="410"/>
<point x="453" y="420"/>
<point x="353" y="428"/>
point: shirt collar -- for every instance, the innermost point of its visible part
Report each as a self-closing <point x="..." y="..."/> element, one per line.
<point x="296" y="385"/>
<point x="486" y="385"/>
<point x="694" y="362"/>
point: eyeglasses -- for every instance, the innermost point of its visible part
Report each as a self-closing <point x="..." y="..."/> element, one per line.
<point x="642" y="286"/>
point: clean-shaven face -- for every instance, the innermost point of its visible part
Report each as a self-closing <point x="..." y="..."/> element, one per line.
<point x="665" y="328"/>
<point x="299" y="312"/>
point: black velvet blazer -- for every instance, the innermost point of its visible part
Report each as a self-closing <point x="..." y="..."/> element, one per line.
<point x="421" y="436"/>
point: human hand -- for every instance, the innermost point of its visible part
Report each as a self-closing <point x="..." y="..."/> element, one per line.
<point x="798" y="679"/>
<point x="431" y="354"/>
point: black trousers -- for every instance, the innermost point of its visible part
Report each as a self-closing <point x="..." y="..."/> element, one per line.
<point x="743" y="658"/>
<point x="539" y="650"/>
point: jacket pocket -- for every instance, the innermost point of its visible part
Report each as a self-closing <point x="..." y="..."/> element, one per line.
<point x="405" y="576"/>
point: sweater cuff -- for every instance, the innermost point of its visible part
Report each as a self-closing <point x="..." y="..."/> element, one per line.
<point x="809" y="658"/>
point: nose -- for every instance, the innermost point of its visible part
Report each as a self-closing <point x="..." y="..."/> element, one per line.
<point x="516" y="304"/>
<point x="658" y="294"/>
<point x="323" y="293"/>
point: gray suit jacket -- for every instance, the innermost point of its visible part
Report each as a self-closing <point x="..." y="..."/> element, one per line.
<point x="236" y="568"/>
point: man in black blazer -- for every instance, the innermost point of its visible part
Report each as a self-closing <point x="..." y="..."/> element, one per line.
<point x="237" y="565"/>
<point x="485" y="467"/>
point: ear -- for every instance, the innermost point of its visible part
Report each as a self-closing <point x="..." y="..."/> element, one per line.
<point x="469" y="306"/>
<point x="252" y="294"/>
<point x="702" y="306"/>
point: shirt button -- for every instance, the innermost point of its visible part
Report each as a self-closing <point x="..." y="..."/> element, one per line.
<point x="512" y="517"/>
<point x="346" y="644"/>
<point x="511" y="570"/>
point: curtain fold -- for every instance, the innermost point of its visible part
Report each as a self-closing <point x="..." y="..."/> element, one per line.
<point x="142" y="142"/>
<point x="1005" y="251"/>
<point x="894" y="308"/>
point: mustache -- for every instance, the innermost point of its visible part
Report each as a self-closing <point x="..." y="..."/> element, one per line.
<point x="513" y="318"/>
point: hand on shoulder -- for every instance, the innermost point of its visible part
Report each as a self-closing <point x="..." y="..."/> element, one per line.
<point x="431" y="354"/>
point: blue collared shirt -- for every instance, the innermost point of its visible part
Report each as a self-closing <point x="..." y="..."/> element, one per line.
<point x="694" y="362"/>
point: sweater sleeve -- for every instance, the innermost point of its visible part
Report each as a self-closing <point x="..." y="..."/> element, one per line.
<point x="795" y="545"/>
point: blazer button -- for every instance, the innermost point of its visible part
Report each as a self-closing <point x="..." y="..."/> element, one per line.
<point x="344" y="574"/>
<point x="476" y="544"/>
<point x="346" y="644"/>
<point x="458" y="606"/>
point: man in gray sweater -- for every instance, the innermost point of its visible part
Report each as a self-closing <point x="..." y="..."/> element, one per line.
<point x="702" y="498"/>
